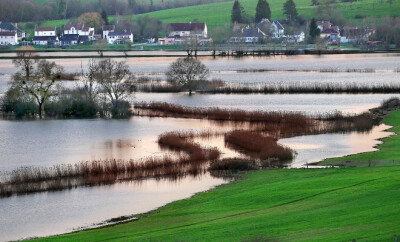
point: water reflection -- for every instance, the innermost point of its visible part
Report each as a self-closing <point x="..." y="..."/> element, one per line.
<point x="50" y="213"/>
<point x="313" y="148"/>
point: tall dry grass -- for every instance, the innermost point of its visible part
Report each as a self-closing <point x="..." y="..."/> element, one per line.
<point x="162" y="109"/>
<point x="258" y="146"/>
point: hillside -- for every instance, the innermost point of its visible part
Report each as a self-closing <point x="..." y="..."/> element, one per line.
<point x="217" y="14"/>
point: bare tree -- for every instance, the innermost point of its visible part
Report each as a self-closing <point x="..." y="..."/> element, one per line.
<point x="26" y="60"/>
<point x="38" y="80"/>
<point x="88" y="84"/>
<point x="115" y="80"/>
<point x="187" y="72"/>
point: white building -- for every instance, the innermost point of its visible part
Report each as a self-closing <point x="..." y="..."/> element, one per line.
<point x="119" y="37"/>
<point x="277" y="30"/>
<point x="193" y="30"/>
<point x="107" y="29"/>
<point x="80" y="29"/>
<point x="45" y="31"/>
<point x="10" y="27"/>
<point x="8" y="38"/>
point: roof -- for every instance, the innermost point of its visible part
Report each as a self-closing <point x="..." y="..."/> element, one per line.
<point x="45" y="29"/>
<point x="7" y="26"/>
<point x="8" y="33"/>
<point x="277" y="24"/>
<point x="187" y="26"/>
<point x="77" y="26"/>
<point x="119" y="33"/>
<point x="45" y="38"/>
<point x="329" y="31"/>
<point x="250" y="32"/>
<point x="108" y="27"/>
<point x="69" y="37"/>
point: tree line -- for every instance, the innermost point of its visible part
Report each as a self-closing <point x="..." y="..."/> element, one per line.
<point x="263" y="10"/>
<point x="103" y="89"/>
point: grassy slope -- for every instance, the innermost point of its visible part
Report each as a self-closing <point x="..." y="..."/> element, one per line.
<point x="216" y="14"/>
<point x="389" y="150"/>
<point x="290" y="205"/>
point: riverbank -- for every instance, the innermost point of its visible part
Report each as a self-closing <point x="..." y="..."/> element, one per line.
<point x="294" y="205"/>
<point x="178" y="52"/>
<point x="387" y="153"/>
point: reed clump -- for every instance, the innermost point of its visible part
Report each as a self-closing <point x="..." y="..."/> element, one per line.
<point x="233" y="164"/>
<point x="258" y="146"/>
<point x="179" y="141"/>
<point x="311" y="88"/>
<point x="163" y="109"/>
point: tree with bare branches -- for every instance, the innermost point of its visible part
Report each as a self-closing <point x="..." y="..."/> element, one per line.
<point x="115" y="81"/>
<point x="187" y="72"/>
<point x="37" y="79"/>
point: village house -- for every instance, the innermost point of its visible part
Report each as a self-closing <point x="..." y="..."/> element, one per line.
<point x="8" y="38"/>
<point x="328" y="30"/>
<point x="107" y="29"/>
<point x="247" y="35"/>
<point x="69" y="39"/>
<point x="45" y="36"/>
<point x="188" y="30"/>
<point x="80" y="29"/>
<point x="9" y="27"/>
<point x="119" y="37"/>
<point x="296" y="37"/>
<point x="166" y="41"/>
<point x="355" y="34"/>
<point x="277" y="30"/>
<point x="45" y="31"/>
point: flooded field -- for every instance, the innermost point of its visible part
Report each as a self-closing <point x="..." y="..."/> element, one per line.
<point x="44" y="143"/>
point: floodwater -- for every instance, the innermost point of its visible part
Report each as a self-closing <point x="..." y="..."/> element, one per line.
<point x="44" y="143"/>
<point x="285" y="69"/>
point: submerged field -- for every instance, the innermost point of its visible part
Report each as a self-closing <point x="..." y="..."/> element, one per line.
<point x="290" y="205"/>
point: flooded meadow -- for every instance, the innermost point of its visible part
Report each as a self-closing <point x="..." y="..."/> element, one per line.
<point x="46" y="143"/>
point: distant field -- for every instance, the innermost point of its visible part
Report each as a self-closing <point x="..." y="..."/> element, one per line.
<point x="217" y="14"/>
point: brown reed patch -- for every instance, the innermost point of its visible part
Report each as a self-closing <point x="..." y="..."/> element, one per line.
<point x="162" y="109"/>
<point x="258" y="146"/>
<point x="233" y="164"/>
<point x="179" y="141"/>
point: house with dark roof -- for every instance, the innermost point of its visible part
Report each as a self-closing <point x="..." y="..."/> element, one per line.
<point x="118" y="37"/>
<point x="45" y="40"/>
<point x="277" y="30"/>
<point x="185" y="30"/>
<point x="10" y="27"/>
<point x="247" y="35"/>
<point x="69" y="39"/>
<point x="8" y="38"/>
<point x="107" y="29"/>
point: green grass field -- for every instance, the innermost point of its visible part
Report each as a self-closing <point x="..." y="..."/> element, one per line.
<point x="336" y="204"/>
<point x="388" y="151"/>
<point x="217" y="14"/>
